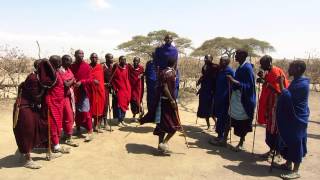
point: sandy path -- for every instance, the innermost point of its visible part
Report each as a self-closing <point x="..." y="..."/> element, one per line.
<point x="130" y="153"/>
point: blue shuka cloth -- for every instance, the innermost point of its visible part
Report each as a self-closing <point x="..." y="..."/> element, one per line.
<point x="245" y="75"/>
<point x="151" y="80"/>
<point x="207" y="91"/>
<point x="292" y="119"/>
<point x="176" y="92"/>
<point x="83" y="105"/>
<point x="162" y="55"/>
<point x="221" y="99"/>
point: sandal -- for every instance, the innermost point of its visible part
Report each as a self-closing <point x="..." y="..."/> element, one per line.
<point x="32" y="165"/>
<point x="98" y="131"/>
<point x="62" y="149"/>
<point x="50" y="156"/>
<point x="292" y="175"/>
<point x="71" y="143"/>
<point x="88" y="138"/>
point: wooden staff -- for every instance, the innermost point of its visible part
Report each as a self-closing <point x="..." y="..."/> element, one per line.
<point x="255" y="123"/>
<point x="39" y="49"/>
<point x="229" y="89"/>
<point x="97" y="116"/>
<point x="274" y="151"/>
<point x="182" y="130"/>
<point x="48" y="157"/>
<point x="140" y="99"/>
<point x="109" y="108"/>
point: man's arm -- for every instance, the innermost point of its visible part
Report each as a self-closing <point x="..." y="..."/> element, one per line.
<point x="168" y="95"/>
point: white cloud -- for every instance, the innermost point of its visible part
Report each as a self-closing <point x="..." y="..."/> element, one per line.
<point x="100" y="4"/>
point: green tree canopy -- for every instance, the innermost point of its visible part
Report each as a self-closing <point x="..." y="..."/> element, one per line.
<point x="227" y="46"/>
<point x="144" y="45"/>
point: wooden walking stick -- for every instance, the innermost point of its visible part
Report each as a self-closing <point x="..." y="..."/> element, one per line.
<point x="182" y="130"/>
<point x="48" y="156"/>
<point x="255" y="122"/>
<point x="49" y="152"/>
<point x="97" y="116"/>
<point x="109" y="109"/>
<point x="140" y="99"/>
<point x="39" y="49"/>
<point x="229" y="89"/>
<point x="274" y="151"/>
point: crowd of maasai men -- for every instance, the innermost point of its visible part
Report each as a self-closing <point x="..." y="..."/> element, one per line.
<point x="61" y="92"/>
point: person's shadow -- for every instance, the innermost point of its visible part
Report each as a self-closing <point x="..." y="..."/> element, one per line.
<point x="16" y="160"/>
<point x="139" y="129"/>
<point x="250" y="164"/>
<point x="11" y="161"/>
<point x="143" y="149"/>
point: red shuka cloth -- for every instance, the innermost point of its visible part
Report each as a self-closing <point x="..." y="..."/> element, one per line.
<point x="66" y="76"/>
<point x="68" y="105"/>
<point x="55" y="101"/>
<point x="121" y="85"/>
<point x="136" y="83"/>
<point x="97" y="101"/>
<point x="81" y="72"/>
<point x="267" y="97"/>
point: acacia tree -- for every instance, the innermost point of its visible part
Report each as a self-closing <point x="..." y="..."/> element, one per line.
<point x="13" y="64"/>
<point x="144" y="45"/>
<point x="227" y="46"/>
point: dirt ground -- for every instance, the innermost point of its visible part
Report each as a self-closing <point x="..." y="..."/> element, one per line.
<point x="130" y="153"/>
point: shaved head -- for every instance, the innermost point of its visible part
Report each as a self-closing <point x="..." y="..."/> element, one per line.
<point x="55" y="61"/>
<point x="79" y="55"/>
<point x="266" y="63"/>
<point x="168" y="39"/>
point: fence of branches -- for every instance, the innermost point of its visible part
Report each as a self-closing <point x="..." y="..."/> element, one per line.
<point x="14" y="67"/>
<point x="190" y="70"/>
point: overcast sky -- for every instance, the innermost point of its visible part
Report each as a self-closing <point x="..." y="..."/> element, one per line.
<point x="291" y="26"/>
